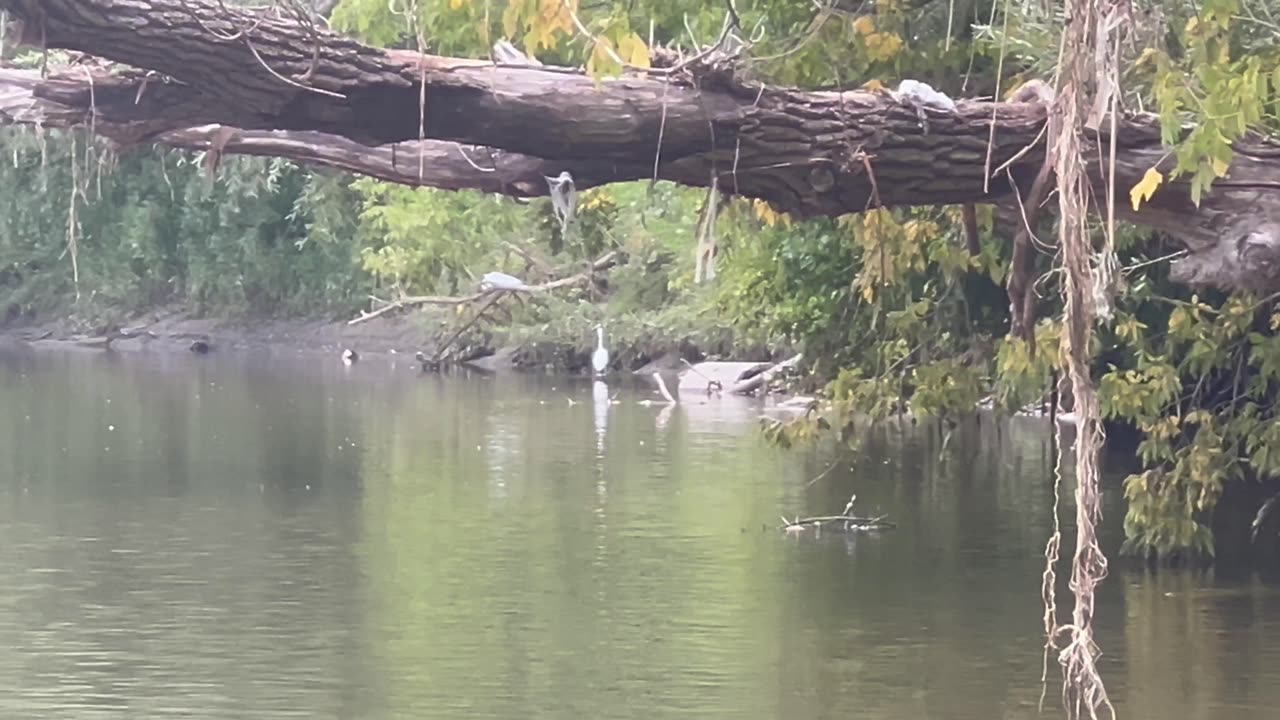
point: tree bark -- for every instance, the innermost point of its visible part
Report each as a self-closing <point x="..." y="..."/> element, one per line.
<point x="312" y="95"/>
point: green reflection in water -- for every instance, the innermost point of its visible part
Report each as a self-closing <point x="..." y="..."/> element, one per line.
<point x="263" y="537"/>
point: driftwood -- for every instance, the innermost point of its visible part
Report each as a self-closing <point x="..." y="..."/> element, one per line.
<point x="760" y="379"/>
<point x="713" y="376"/>
<point x="853" y="522"/>
<point x="739" y="378"/>
<point x="843" y="522"/>
<point x="479" y="313"/>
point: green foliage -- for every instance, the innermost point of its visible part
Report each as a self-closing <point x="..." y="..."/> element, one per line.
<point x="1021" y="376"/>
<point x="264" y="237"/>
<point x="1203" y="393"/>
<point x="429" y="240"/>
<point x="1221" y="79"/>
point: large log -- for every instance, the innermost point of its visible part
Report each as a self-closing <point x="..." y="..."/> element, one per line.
<point x="808" y="153"/>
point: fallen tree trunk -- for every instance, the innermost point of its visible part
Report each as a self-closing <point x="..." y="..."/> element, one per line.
<point x="426" y="163"/>
<point x="808" y="153"/>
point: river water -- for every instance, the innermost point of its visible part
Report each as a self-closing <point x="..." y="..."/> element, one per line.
<point x="283" y="536"/>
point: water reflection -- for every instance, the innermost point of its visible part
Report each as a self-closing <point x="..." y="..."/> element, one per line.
<point x="230" y="537"/>
<point x="600" y="412"/>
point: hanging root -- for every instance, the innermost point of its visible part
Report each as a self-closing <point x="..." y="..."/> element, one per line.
<point x="1087" y="41"/>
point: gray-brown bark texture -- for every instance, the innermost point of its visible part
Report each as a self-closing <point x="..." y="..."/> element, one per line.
<point x="318" y="97"/>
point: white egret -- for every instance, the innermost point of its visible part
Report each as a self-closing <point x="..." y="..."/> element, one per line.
<point x="349" y="356"/>
<point x="501" y="281"/>
<point x="600" y="358"/>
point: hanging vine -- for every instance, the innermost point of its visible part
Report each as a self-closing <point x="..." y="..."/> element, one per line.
<point x="1087" y="92"/>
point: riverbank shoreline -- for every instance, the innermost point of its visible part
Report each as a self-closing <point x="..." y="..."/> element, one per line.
<point x="176" y="330"/>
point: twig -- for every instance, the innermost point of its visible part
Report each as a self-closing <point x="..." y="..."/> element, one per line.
<point x="824" y="473"/>
<point x="871" y="176"/>
<point x="464" y="327"/>
<point x="710" y="381"/>
<point x="662" y="128"/>
<point x="614" y="56"/>
<point x="991" y="137"/>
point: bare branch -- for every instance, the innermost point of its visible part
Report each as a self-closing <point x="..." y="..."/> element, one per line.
<point x="409" y="301"/>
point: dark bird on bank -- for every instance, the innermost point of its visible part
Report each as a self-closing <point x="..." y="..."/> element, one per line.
<point x="200" y="347"/>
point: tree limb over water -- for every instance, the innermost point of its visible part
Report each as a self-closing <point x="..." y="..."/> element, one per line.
<point x="314" y="96"/>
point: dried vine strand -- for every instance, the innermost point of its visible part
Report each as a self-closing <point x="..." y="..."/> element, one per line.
<point x="1082" y="69"/>
<point x="73" y="222"/>
<point x="244" y="33"/>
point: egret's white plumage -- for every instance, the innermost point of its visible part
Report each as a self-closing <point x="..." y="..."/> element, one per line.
<point x="501" y="281"/>
<point x="600" y="358"/>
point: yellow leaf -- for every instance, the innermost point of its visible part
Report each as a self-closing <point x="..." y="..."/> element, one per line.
<point x="634" y="51"/>
<point x="601" y="62"/>
<point x="547" y="37"/>
<point x="594" y="198"/>
<point x="882" y="46"/>
<point x="1219" y="167"/>
<point x="1148" y="55"/>
<point x="511" y="20"/>
<point x="558" y="14"/>
<point x="456" y="4"/>
<point x="1145" y="188"/>
<point x="864" y="25"/>
<point x="873" y="85"/>
<point x="766" y="213"/>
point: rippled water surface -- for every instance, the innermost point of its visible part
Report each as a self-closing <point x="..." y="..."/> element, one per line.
<point x="276" y="537"/>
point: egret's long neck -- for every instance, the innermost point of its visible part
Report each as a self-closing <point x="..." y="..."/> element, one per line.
<point x="599" y="337"/>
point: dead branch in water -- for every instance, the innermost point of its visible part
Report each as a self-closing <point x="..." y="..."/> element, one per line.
<point x="479" y="313"/>
<point x="851" y="522"/>
<point x="845" y="521"/>
<point x="818" y="520"/>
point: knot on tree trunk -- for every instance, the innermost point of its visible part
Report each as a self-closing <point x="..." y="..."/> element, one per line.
<point x="1246" y="256"/>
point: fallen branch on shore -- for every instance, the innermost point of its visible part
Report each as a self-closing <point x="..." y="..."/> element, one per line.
<point x="405" y="302"/>
<point x="741" y="378"/>
<point x="764" y="377"/>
